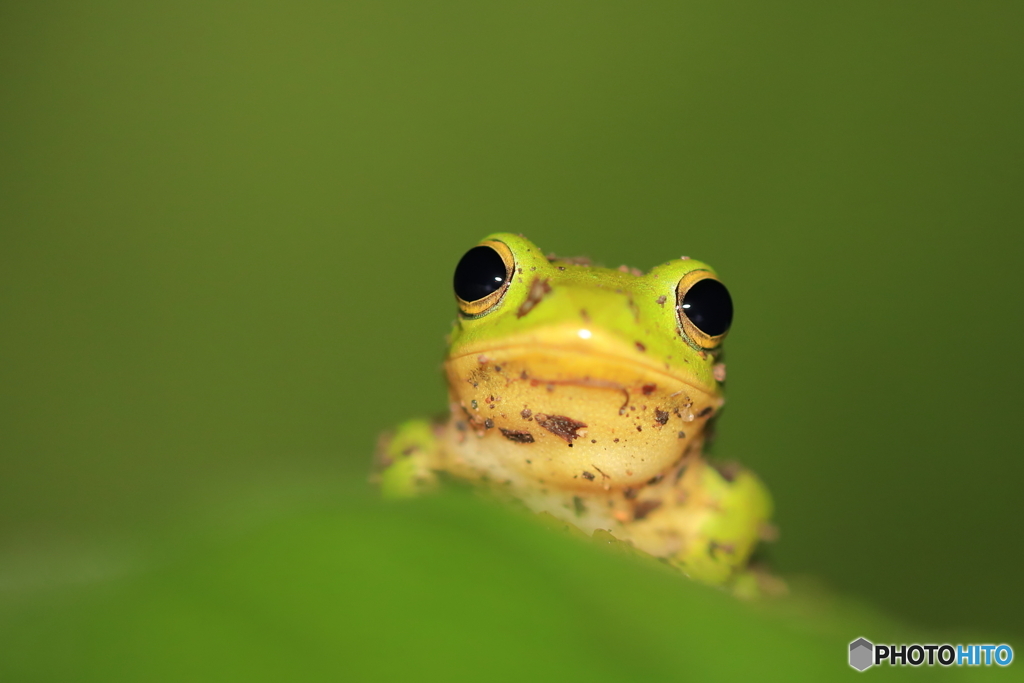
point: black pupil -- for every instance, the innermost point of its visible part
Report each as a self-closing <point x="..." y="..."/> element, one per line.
<point x="480" y="272"/>
<point x="709" y="307"/>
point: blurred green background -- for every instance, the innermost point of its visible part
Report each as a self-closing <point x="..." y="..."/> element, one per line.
<point x="228" y="232"/>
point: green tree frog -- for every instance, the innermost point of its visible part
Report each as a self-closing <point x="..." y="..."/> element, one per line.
<point x="586" y="393"/>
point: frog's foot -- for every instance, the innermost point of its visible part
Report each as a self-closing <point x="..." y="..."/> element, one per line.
<point x="404" y="464"/>
<point x="725" y="513"/>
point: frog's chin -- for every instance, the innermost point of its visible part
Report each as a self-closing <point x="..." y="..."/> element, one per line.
<point x="559" y="412"/>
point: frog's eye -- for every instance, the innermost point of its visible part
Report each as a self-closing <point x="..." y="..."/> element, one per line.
<point x="483" y="276"/>
<point x="704" y="307"/>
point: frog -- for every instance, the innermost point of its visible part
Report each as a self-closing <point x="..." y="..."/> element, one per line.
<point x="587" y="394"/>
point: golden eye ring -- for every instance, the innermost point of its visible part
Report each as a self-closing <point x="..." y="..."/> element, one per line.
<point x="703" y="308"/>
<point x="482" y="277"/>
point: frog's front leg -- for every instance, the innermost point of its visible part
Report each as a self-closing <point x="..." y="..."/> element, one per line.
<point x="731" y="510"/>
<point x="407" y="461"/>
<point x="708" y="522"/>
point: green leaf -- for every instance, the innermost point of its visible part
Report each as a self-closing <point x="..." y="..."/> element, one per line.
<point x="446" y="588"/>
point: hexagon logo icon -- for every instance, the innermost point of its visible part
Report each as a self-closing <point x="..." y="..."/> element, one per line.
<point x="861" y="654"/>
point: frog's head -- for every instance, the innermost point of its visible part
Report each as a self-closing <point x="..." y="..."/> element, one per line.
<point x="583" y="376"/>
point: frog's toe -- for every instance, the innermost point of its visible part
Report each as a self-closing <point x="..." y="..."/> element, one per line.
<point x="402" y="466"/>
<point x="407" y="478"/>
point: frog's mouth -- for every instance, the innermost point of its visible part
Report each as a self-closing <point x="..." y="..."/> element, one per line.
<point x="592" y="375"/>
<point x="553" y="367"/>
<point x="583" y="357"/>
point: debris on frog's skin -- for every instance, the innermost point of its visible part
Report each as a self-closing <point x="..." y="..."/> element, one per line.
<point x="526" y="414"/>
<point x="640" y="347"/>
<point x="685" y="414"/>
<point x="632" y="271"/>
<point x="483" y="360"/>
<point x="539" y="288"/>
<point x="579" y="505"/>
<point x="718" y="371"/>
<point x="660" y="416"/>
<point x="488" y="423"/>
<point x="682" y="434"/>
<point x="661" y="300"/>
<point x="560" y="425"/>
<point x="516" y="435"/>
<point x="648" y="389"/>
